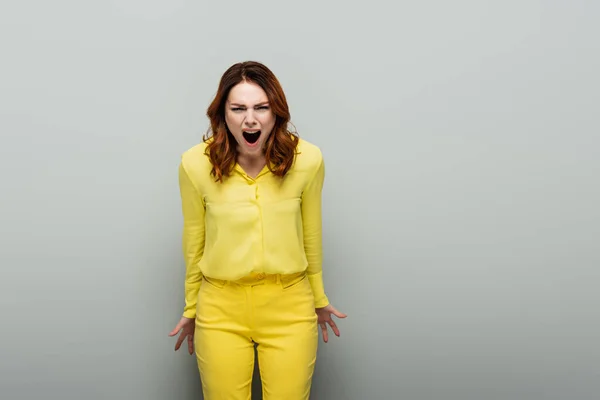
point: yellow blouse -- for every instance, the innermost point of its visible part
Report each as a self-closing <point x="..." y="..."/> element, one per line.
<point x="268" y="224"/>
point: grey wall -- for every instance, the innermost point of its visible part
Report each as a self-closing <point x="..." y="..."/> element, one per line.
<point x="461" y="202"/>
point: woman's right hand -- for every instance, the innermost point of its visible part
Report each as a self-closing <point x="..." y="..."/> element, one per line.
<point x="186" y="327"/>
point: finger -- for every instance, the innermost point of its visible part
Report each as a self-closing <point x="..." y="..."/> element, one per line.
<point x="175" y="330"/>
<point x="334" y="328"/>
<point x="324" y="332"/>
<point x="339" y="314"/>
<point x="191" y="344"/>
<point x="179" y="341"/>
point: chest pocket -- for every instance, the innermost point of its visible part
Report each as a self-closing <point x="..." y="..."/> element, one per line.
<point x="229" y="218"/>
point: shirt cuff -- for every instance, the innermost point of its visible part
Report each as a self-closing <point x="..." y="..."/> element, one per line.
<point x="191" y="300"/>
<point x="316" y="283"/>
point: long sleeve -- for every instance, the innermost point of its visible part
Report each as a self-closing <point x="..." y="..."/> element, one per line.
<point x="312" y="227"/>
<point x="192" y="240"/>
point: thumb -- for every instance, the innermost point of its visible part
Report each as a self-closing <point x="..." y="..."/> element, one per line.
<point x="176" y="329"/>
<point x="339" y="314"/>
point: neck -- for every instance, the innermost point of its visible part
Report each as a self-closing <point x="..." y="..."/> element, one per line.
<point x="252" y="160"/>
<point x="252" y="165"/>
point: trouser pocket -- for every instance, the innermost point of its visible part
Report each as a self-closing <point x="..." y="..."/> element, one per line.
<point x="218" y="283"/>
<point x="292" y="280"/>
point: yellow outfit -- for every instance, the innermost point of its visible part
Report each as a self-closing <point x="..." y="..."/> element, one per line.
<point x="253" y="255"/>
<point x="277" y="312"/>
<point x="245" y="225"/>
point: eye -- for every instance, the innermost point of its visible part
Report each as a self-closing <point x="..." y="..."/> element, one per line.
<point x="237" y="109"/>
<point x="263" y="108"/>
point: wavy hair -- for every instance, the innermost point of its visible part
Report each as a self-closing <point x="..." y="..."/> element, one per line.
<point x="280" y="148"/>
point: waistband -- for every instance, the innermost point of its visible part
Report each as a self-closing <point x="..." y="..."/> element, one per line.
<point x="261" y="278"/>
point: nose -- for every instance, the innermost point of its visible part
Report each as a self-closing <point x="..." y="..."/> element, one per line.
<point x="250" y="119"/>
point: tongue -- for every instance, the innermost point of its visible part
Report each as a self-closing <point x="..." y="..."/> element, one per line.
<point x="251" y="137"/>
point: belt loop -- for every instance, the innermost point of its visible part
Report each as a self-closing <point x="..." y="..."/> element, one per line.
<point x="278" y="279"/>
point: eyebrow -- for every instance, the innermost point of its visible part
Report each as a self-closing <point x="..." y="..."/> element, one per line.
<point x="243" y="105"/>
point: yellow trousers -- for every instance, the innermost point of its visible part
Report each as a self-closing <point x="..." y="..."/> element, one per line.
<point x="277" y="313"/>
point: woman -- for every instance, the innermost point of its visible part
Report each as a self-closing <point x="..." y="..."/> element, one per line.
<point x="251" y="202"/>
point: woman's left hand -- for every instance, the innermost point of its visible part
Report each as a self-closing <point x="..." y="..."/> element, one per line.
<point x="324" y="315"/>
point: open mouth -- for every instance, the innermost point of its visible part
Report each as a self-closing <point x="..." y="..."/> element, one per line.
<point x="251" y="136"/>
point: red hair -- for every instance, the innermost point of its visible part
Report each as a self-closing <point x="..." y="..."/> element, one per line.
<point x="280" y="148"/>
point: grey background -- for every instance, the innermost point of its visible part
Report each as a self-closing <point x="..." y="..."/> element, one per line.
<point x="461" y="201"/>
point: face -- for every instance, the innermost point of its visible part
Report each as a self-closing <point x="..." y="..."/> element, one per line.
<point x="249" y="117"/>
